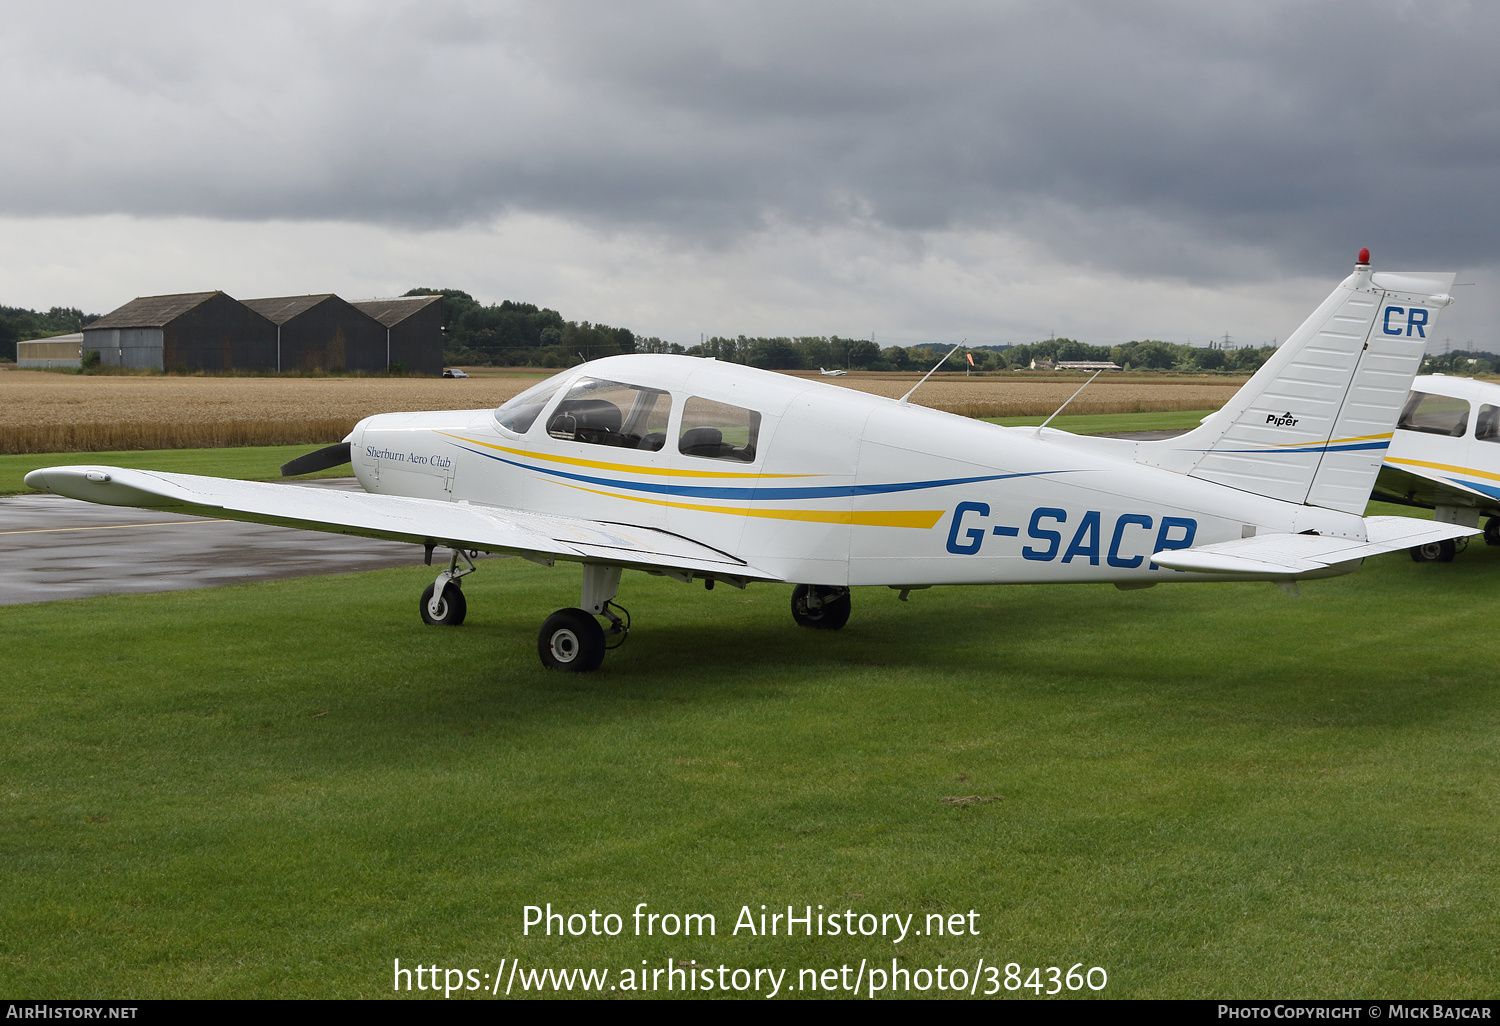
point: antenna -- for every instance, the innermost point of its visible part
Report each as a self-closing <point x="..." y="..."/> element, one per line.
<point x="935" y="366"/>
<point x="1065" y="404"/>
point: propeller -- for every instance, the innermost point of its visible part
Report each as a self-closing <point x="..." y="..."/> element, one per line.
<point x="322" y="459"/>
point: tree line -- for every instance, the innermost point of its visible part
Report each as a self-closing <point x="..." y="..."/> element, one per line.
<point x="516" y="334"/>
<point x="813" y="352"/>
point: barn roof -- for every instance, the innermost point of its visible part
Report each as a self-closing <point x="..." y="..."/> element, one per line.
<point x="280" y="309"/>
<point x="392" y="312"/>
<point x="151" y="311"/>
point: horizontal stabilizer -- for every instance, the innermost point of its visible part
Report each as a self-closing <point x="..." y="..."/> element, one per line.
<point x="1290" y="555"/>
<point x="423" y="521"/>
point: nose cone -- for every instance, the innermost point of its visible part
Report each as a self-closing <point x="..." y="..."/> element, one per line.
<point x="37" y="479"/>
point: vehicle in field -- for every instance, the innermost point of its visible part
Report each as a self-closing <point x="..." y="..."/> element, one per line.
<point x="835" y="373"/>
<point x="1445" y="456"/>
<point x="454" y="372"/>
<point x="703" y="471"/>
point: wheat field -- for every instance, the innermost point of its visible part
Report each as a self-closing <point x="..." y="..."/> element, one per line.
<point x="49" y="412"/>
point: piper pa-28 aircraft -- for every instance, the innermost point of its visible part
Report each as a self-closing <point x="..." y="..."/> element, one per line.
<point x="1445" y="455"/>
<point x="704" y="471"/>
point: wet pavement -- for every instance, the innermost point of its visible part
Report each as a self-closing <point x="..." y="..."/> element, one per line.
<point x="57" y="548"/>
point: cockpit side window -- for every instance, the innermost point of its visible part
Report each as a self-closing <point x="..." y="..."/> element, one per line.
<point x="1487" y="427"/>
<point x="520" y="412"/>
<point x="718" y="431"/>
<point x="610" y="413"/>
<point x="1435" y="414"/>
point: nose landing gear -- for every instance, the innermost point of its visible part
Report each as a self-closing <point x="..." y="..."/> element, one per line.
<point x="442" y="603"/>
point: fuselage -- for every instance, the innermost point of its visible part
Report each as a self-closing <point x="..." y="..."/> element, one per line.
<point x="815" y="483"/>
<point x="1446" y="449"/>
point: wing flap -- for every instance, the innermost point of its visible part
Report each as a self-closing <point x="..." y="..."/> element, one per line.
<point x="1289" y="555"/>
<point x="456" y="524"/>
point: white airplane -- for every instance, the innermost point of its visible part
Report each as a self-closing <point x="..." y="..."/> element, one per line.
<point x="1445" y="455"/>
<point x="835" y="373"/>
<point x="697" y="470"/>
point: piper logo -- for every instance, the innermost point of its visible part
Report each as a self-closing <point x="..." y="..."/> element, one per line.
<point x="1282" y="420"/>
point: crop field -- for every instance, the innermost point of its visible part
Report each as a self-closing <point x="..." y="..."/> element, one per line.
<point x="277" y="789"/>
<point x="47" y="412"/>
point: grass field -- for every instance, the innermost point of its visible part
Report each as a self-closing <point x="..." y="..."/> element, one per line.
<point x="1212" y="790"/>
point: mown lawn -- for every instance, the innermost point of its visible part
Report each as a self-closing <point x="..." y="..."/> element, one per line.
<point x="1208" y="790"/>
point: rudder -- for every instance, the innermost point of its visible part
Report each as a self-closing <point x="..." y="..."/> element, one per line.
<point x="1313" y="424"/>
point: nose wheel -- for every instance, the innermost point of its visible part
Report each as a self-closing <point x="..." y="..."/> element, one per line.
<point x="442" y="603"/>
<point x="447" y="609"/>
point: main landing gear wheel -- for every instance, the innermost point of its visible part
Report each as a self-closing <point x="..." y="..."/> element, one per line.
<point x="451" y="608"/>
<point x="1434" y="552"/>
<point x="821" y="608"/>
<point x="1492" y="531"/>
<point x="571" y="640"/>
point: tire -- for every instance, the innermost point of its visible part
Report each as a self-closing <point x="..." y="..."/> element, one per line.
<point x="571" y="640"/>
<point x="452" y="609"/>
<point x="1434" y="552"/>
<point x="1492" y="531"/>
<point x="831" y="615"/>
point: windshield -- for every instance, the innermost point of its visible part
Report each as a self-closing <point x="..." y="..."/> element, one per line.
<point x="520" y="413"/>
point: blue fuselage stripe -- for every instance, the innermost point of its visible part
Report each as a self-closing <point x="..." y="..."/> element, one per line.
<point x="1485" y="489"/>
<point x="816" y="492"/>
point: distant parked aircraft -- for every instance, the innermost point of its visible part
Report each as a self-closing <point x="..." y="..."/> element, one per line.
<point x="832" y="373"/>
<point x="775" y="478"/>
<point x="1445" y="455"/>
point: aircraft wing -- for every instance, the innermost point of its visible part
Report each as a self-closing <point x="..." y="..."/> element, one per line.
<point x="460" y="524"/>
<point x="1294" y="554"/>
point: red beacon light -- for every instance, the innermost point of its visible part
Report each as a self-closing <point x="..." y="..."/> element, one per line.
<point x="1364" y="256"/>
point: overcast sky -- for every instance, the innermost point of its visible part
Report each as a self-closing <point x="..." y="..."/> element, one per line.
<point x="995" y="171"/>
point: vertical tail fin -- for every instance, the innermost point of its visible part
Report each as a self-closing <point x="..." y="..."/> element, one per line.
<point x="1313" y="424"/>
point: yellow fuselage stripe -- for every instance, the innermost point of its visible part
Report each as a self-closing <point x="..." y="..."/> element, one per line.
<point x="573" y="461"/>
<point x="1445" y="466"/>
<point x="916" y="518"/>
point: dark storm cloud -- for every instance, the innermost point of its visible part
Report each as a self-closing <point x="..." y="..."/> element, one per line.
<point x="1181" y="139"/>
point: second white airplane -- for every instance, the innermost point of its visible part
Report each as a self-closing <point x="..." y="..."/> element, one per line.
<point x="703" y="471"/>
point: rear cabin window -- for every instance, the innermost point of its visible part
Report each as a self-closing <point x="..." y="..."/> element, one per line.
<point x="519" y="413"/>
<point x="1435" y="414"/>
<point x="610" y="413"/>
<point x="1487" y="427"/>
<point x="718" y="431"/>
